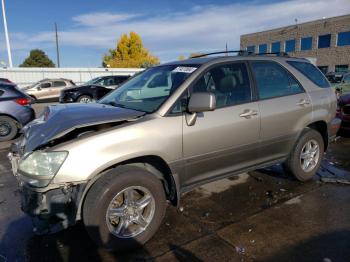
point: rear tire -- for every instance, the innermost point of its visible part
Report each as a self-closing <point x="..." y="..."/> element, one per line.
<point x="8" y="128"/>
<point x="306" y="156"/>
<point x="109" y="206"/>
<point x="84" y="99"/>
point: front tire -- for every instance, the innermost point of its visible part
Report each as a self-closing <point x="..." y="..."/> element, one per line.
<point x="8" y="128"/>
<point x="84" y="99"/>
<point x="124" y="208"/>
<point x="306" y="157"/>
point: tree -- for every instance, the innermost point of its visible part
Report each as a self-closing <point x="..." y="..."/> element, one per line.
<point x="37" y="58"/>
<point x="181" y="57"/>
<point x="129" y="52"/>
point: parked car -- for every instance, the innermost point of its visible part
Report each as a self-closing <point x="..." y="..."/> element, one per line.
<point x="48" y="88"/>
<point x="5" y="80"/>
<point x="15" y="111"/>
<point x="343" y="113"/>
<point x="335" y="77"/>
<point x="91" y="90"/>
<point x="116" y="164"/>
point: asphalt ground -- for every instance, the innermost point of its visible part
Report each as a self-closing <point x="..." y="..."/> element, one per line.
<point x="265" y="215"/>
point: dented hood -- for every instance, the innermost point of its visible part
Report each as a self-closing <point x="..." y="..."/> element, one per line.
<point x="58" y="120"/>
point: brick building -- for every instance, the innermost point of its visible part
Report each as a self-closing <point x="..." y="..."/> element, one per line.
<point x="326" y="40"/>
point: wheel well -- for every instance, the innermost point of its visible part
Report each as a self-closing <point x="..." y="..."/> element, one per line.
<point x="162" y="171"/>
<point x="321" y="127"/>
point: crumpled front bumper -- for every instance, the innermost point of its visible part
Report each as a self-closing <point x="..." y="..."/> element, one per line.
<point x="52" y="208"/>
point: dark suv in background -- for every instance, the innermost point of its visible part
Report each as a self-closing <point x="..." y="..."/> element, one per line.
<point x="15" y="111"/>
<point x="92" y="90"/>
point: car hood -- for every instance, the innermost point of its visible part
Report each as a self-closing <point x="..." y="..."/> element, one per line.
<point x="58" y="120"/>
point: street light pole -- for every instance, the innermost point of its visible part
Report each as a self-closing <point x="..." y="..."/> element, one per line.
<point x="6" y="34"/>
<point x="57" y="49"/>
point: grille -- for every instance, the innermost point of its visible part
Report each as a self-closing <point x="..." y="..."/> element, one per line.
<point x="346" y="110"/>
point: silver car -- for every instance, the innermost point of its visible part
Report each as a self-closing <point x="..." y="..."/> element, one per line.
<point x="116" y="164"/>
<point x="48" y="88"/>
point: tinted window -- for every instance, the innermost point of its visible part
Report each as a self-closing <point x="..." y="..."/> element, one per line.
<point x="120" y="79"/>
<point x="276" y="47"/>
<point x="229" y="83"/>
<point x="324" y="41"/>
<point x="311" y="72"/>
<point x="58" y="84"/>
<point x="306" y="43"/>
<point x="262" y="48"/>
<point x="324" y="69"/>
<point x="108" y="81"/>
<point x="341" y="68"/>
<point x="251" y="48"/>
<point x="290" y="45"/>
<point x="274" y="81"/>
<point x="1" y="92"/>
<point x="45" y="85"/>
<point x="343" y="38"/>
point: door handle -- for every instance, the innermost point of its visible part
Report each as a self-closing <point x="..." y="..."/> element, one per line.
<point x="249" y="113"/>
<point x="303" y="102"/>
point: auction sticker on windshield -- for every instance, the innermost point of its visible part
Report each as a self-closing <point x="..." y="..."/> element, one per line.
<point x="184" y="69"/>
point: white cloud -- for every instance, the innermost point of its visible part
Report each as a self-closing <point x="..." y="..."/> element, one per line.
<point x="203" y="28"/>
<point x="101" y="18"/>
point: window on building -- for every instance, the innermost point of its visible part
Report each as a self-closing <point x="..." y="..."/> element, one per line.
<point x="274" y="81"/>
<point x="290" y="45"/>
<point x="251" y="48"/>
<point x="306" y="43"/>
<point x="341" y="68"/>
<point x="262" y="48"/>
<point x="343" y="38"/>
<point x="276" y="47"/>
<point x="311" y="72"/>
<point x="324" y="69"/>
<point x="324" y="41"/>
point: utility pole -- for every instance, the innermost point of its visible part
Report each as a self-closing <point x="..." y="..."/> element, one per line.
<point x="57" y="50"/>
<point x="6" y="34"/>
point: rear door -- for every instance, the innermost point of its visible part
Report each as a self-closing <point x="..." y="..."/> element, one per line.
<point x="56" y="88"/>
<point x="226" y="139"/>
<point x="284" y="107"/>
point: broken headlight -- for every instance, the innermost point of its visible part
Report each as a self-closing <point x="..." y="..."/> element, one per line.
<point x="39" y="167"/>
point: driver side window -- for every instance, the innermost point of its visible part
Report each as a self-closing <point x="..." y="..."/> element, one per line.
<point x="230" y="84"/>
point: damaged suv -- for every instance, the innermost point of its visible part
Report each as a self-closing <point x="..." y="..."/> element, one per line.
<point x="116" y="164"/>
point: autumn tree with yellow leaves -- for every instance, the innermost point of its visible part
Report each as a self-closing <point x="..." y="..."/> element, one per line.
<point x="130" y="52"/>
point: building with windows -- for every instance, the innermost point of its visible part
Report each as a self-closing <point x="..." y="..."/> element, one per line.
<point x="326" y="41"/>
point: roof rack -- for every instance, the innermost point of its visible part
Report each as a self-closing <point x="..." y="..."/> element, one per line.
<point x="284" y="54"/>
<point x="243" y="53"/>
<point x="239" y="52"/>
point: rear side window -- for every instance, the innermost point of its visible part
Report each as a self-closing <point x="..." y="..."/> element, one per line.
<point x="274" y="81"/>
<point x="58" y="84"/>
<point x="311" y="72"/>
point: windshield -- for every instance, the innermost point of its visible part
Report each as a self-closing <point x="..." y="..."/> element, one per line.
<point x="94" y="81"/>
<point x="150" y="89"/>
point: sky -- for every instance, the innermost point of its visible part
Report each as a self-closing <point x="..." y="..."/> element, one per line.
<point x="169" y="28"/>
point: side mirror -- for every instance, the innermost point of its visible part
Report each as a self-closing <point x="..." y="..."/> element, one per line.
<point x="202" y="102"/>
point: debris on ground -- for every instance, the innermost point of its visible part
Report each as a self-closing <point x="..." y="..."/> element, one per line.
<point x="331" y="174"/>
<point x="240" y="250"/>
<point x="283" y="190"/>
<point x="181" y="209"/>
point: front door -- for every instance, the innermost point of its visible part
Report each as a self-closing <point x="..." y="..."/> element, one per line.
<point x="226" y="139"/>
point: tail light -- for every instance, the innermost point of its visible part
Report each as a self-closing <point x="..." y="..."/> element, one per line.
<point x="23" y="101"/>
